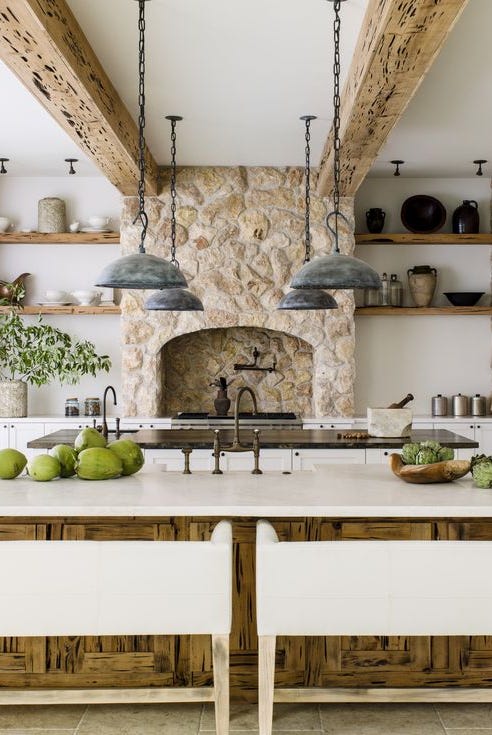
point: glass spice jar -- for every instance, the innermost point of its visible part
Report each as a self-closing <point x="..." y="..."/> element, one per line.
<point x="92" y="407"/>
<point x="72" y="407"/>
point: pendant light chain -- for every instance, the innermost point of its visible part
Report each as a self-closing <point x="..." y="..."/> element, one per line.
<point x="173" y="193"/>
<point x="142" y="214"/>
<point x="307" y="256"/>
<point x="336" y="118"/>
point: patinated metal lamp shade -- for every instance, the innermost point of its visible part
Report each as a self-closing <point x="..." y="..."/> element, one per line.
<point x="141" y="271"/>
<point x="173" y="299"/>
<point x="307" y="298"/>
<point x="336" y="271"/>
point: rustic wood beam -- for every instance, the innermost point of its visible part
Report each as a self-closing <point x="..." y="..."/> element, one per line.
<point x="397" y="45"/>
<point x="43" y="44"/>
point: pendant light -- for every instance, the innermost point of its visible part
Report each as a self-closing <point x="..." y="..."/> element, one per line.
<point x="141" y="270"/>
<point x="336" y="271"/>
<point x="307" y="298"/>
<point x="173" y="299"/>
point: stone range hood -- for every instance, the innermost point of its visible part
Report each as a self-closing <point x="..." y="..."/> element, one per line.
<point x="240" y="238"/>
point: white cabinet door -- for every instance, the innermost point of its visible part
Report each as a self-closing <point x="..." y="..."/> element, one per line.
<point x="4" y="436"/>
<point x="463" y="428"/>
<point x="483" y="435"/>
<point x="155" y="424"/>
<point x="172" y="460"/>
<point x="380" y="456"/>
<point x="66" y="425"/>
<point x="271" y="460"/>
<point x="22" y="433"/>
<point x="306" y="459"/>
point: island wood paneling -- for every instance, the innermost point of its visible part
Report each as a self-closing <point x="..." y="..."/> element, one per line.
<point x="348" y="661"/>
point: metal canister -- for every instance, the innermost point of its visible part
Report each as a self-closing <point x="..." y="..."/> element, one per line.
<point x="478" y="405"/>
<point x="439" y="405"/>
<point x="372" y="297"/>
<point x="461" y="405"/>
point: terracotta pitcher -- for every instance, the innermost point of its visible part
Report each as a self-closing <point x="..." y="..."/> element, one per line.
<point x="422" y="280"/>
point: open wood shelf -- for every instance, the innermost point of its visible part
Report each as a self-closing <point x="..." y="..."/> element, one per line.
<point x="423" y="311"/>
<point x="60" y="238"/>
<point x="70" y="309"/>
<point x="411" y="238"/>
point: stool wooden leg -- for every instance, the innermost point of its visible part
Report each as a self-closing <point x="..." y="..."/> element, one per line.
<point x="266" y="681"/>
<point x="220" y="654"/>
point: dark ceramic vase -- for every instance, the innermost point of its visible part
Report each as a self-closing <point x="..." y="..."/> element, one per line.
<point x="375" y="220"/>
<point x="222" y="403"/>
<point x="466" y="220"/>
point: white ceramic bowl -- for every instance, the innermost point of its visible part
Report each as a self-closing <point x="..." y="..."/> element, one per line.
<point x="99" y="222"/>
<point x="4" y="224"/>
<point x="88" y="297"/>
<point x="55" y="295"/>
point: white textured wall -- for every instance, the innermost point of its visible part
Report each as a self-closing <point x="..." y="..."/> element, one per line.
<point x="68" y="267"/>
<point x="424" y="355"/>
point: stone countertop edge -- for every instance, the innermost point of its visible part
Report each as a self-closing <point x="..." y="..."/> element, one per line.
<point x="330" y="491"/>
<point x="276" y="439"/>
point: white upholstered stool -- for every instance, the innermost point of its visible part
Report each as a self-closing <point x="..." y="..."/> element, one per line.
<point x="96" y="588"/>
<point x="407" y="588"/>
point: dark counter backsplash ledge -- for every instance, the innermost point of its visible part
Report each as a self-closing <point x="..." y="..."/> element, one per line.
<point x="272" y="439"/>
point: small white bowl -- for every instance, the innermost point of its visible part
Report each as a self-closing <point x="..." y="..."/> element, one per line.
<point x="4" y="224"/>
<point x="55" y="295"/>
<point x="87" y="297"/>
<point x="99" y="222"/>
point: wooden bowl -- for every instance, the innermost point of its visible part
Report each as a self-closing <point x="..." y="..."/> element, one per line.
<point x="421" y="474"/>
<point x="423" y="214"/>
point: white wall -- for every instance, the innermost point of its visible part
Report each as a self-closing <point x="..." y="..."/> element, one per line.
<point x="424" y="355"/>
<point x="68" y="267"/>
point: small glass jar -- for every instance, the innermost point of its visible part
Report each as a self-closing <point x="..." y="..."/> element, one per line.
<point x="72" y="407"/>
<point x="92" y="407"/>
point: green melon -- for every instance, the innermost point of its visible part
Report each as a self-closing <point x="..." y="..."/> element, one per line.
<point x="44" y="468"/>
<point x="12" y="463"/>
<point x="130" y="454"/>
<point x="98" y="463"/>
<point x="67" y="456"/>
<point x="89" y="438"/>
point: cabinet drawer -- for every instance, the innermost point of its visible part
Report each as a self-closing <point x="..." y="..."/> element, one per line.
<point x="306" y="459"/>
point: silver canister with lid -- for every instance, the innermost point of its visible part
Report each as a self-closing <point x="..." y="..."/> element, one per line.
<point x="461" y="405"/>
<point x="395" y="291"/>
<point x="478" y="405"/>
<point x="385" y="291"/>
<point x="439" y="405"/>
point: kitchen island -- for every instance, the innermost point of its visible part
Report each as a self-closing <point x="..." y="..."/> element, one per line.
<point x="333" y="503"/>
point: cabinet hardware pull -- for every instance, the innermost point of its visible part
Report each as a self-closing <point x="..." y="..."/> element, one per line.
<point x="296" y="454"/>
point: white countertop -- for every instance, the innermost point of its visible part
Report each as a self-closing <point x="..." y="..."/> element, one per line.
<point x="355" y="491"/>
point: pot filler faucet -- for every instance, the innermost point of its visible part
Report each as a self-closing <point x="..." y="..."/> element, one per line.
<point x="104" y="429"/>
<point x="236" y="445"/>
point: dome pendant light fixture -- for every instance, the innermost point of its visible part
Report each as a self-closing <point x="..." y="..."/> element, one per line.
<point x="141" y="270"/>
<point x="336" y="271"/>
<point x="173" y="299"/>
<point x="307" y="298"/>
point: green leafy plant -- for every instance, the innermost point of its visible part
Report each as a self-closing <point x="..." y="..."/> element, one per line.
<point x="39" y="353"/>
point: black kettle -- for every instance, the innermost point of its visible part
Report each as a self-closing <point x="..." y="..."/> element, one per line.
<point x="466" y="220"/>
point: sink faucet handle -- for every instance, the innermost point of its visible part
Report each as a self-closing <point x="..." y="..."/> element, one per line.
<point x="118" y="432"/>
<point x="256" y="452"/>
<point x="217" y="470"/>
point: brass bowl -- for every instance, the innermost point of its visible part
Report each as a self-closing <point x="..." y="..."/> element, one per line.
<point x="422" y="474"/>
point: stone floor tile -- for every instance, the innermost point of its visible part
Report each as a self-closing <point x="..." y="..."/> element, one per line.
<point x="465" y="715"/>
<point x="286" y="717"/>
<point x="151" y="719"/>
<point x="376" y="719"/>
<point x="25" y="717"/>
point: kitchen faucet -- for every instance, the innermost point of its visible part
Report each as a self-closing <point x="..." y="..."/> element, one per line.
<point x="104" y="429"/>
<point x="236" y="445"/>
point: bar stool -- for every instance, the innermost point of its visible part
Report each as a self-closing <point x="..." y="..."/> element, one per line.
<point x="397" y="588"/>
<point x="96" y="588"/>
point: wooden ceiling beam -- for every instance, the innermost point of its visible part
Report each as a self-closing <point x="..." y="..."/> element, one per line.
<point x="397" y="44"/>
<point x="43" y="44"/>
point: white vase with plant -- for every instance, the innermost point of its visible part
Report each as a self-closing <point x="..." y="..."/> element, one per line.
<point x="37" y="354"/>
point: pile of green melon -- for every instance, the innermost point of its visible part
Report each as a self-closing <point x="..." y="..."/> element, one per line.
<point x="91" y="458"/>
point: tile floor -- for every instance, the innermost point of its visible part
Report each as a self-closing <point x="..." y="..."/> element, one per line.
<point x="290" y="719"/>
